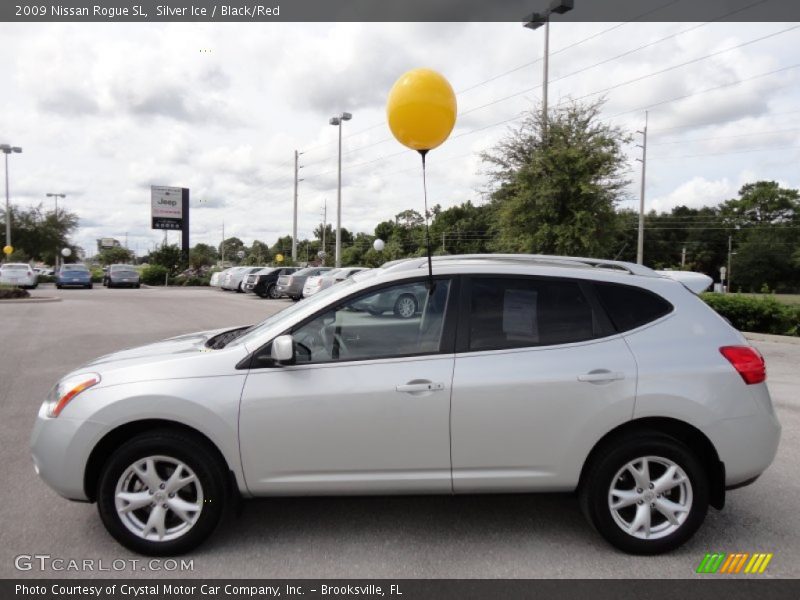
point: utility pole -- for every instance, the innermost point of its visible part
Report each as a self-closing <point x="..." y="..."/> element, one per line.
<point x="297" y="168"/>
<point x="324" y="224"/>
<point x="730" y="248"/>
<point x="222" y="245"/>
<point x="643" y="160"/>
<point x="683" y="257"/>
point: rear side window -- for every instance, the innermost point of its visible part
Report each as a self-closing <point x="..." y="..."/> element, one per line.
<point x="514" y="313"/>
<point x="631" y="307"/>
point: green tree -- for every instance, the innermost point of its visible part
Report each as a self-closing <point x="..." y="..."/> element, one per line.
<point x="116" y="255"/>
<point x="40" y="235"/>
<point x="556" y="193"/>
<point x="169" y="257"/>
<point x="230" y="248"/>
<point x="202" y="255"/>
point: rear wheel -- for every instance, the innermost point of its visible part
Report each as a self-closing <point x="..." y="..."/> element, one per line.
<point x="646" y="494"/>
<point x="272" y="292"/>
<point x="162" y="493"/>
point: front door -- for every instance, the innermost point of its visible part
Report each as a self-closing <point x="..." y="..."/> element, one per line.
<point x="366" y="407"/>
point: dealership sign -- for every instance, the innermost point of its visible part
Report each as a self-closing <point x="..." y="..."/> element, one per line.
<point x="167" y="207"/>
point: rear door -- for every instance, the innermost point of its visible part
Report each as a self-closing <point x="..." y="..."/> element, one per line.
<point x="539" y="377"/>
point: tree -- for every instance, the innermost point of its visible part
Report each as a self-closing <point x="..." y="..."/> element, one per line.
<point x="169" y="257"/>
<point x="409" y="219"/>
<point x="202" y="255"/>
<point x="763" y="203"/>
<point x="556" y="193"/>
<point x="116" y="255"/>
<point x="259" y="254"/>
<point x="230" y="247"/>
<point x="40" y="235"/>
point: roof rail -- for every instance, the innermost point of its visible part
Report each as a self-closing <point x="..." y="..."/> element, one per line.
<point x="538" y="259"/>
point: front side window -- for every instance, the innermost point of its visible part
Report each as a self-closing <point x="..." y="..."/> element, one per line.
<point x="401" y="320"/>
<point x="514" y="313"/>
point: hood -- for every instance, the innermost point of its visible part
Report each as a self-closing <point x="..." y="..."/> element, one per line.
<point x="167" y="359"/>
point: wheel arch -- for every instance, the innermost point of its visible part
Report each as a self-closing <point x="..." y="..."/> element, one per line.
<point x="695" y="439"/>
<point x="121" y="434"/>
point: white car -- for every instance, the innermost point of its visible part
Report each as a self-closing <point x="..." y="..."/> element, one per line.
<point x="515" y="373"/>
<point x="19" y="274"/>
<point x="327" y="279"/>
<point x="234" y="278"/>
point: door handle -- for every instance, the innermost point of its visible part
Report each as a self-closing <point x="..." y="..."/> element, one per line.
<point x="601" y="376"/>
<point x="420" y="386"/>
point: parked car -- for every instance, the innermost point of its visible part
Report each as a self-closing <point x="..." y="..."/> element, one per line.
<point x="44" y="271"/>
<point x="216" y="278"/>
<point x="19" y="274"/>
<point x="518" y="373"/>
<point x="234" y="278"/>
<point x="123" y="276"/>
<point x="325" y="280"/>
<point x="292" y="285"/>
<point x="74" y="275"/>
<point x="264" y="282"/>
<point x="404" y="304"/>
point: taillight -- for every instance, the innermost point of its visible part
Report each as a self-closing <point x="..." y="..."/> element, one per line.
<point x="747" y="361"/>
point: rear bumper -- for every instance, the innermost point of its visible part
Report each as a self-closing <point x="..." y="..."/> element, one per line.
<point x="746" y="445"/>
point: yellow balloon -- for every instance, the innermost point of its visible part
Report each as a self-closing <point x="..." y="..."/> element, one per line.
<point x="8" y="250"/>
<point x="421" y="109"/>
<point x="279" y="257"/>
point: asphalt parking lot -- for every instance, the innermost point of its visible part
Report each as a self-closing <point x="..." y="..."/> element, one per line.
<point x="525" y="536"/>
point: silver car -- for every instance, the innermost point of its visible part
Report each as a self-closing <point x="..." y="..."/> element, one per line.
<point x="19" y="274"/>
<point x="517" y="373"/>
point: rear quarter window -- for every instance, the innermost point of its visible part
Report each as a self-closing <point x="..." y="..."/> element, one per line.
<point x="630" y="307"/>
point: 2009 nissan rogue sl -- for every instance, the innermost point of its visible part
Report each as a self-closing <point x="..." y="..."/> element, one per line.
<point x="516" y="373"/>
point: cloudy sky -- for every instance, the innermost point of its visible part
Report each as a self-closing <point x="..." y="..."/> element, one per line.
<point x="105" y="110"/>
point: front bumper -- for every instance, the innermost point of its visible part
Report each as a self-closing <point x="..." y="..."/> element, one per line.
<point x="60" y="448"/>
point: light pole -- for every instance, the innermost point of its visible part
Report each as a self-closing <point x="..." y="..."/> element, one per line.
<point x="8" y="149"/>
<point x="337" y="122"/>
<point x="536" y="20"/>
<point x="56" y="197"/>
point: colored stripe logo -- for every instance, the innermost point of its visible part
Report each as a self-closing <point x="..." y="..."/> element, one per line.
<point x="735" y="563"/>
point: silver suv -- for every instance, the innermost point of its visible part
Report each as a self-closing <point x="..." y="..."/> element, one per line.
<point x="516" y="373"/>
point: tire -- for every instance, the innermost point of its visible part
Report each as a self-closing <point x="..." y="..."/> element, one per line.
<point x="272" y="292"/>
<point x="239" y="289"/>
<point x="58" y="286"/>
<point x="165" y="449"/>
<point x="296" y="298"/>
<point x="610" y="471"/>
<point x="90" y="286"/>
<point x="405" y="306"/>
<point x="138" y="285"/>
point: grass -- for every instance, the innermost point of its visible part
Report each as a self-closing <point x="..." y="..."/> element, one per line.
<point x="790" y="299"/>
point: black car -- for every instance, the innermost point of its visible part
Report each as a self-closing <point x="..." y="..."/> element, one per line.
<point x="263" y="282"/>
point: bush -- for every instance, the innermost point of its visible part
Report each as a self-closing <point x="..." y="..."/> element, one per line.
<point x="190" y="280"/>
<point x="97" y="275"/>
<point x="758" y="315"/>
<point x="154" y="275"/>
<point x="46" y="279"/>
<point x="9" y="293"/>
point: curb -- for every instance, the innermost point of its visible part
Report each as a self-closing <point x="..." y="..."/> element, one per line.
<point x="769" y="337"/>
<point x="34" y="300"/>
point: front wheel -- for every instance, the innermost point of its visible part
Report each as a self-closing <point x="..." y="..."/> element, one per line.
<point x="647" y="494"/>
<point x="162" y="493"/>
<point x="272" y="292"/>
<point x="406" y="306"/>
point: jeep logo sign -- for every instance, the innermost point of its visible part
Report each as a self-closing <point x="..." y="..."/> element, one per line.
<point x="166" y="207"/>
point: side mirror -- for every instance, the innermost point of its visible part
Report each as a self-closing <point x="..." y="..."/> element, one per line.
<point x="283" y="349"/>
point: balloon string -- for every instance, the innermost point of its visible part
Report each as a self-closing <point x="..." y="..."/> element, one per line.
<point x="427" y="231"/>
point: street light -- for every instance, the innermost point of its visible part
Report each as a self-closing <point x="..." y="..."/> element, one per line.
<point x="337" y="122"/>
<point x="536" y="20"/>
<point x="8" y="149"/>
<point x="56" y="197"/>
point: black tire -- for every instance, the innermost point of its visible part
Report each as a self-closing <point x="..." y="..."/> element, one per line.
<point x="398" y="304"/>
<point x="601" y="473"/>
<point x="138" y="285"/>
<point x="197" y="456"/>
<point x="239" y="289"/>
<point x="272" y="292"/>
<point x="296" y="298"/>
<point x="90" y="286"/>
<point x="58" y="286"/>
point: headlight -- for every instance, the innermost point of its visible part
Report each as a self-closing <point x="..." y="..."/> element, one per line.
<point x="66" y="389"/>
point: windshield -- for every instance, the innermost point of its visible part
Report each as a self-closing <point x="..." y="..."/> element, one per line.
<point x="315" y="300"/>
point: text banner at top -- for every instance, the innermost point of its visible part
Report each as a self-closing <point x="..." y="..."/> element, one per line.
<point x="270" y="11"/>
